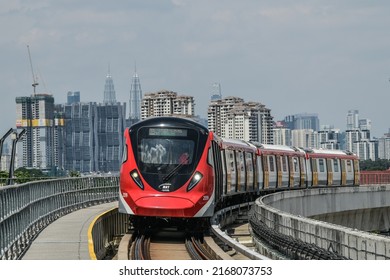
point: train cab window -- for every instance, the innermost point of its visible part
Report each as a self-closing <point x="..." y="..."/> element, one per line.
<point x="124" y="155"/>
<point x="321" y="165"/>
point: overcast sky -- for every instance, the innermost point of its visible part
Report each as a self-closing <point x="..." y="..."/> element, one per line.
<point x="324" y="57"/>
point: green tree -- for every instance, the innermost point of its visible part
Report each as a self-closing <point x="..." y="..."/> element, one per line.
<point x="24" y="175"/>
<point x="380" y="165"/>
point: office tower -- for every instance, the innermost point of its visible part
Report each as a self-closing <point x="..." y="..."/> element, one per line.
<point x="167" y="103"/>
<point x="302" y="121"/>
<point x="109" y="91"/>
<point x="93" y="136"/>
<point x="110" y="127"/>
<point x="135" y="98"/>
<point x="231" y="117"/>
<point x="216" y="93"/>
<point x="73" y="97"/>
<point x="36" y="115"/>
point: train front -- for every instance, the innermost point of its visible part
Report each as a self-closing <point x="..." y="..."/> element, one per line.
<point x="166" y="172"/>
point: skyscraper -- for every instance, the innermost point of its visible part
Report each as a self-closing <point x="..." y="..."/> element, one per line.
<point x="135" y="98"/>
<point x="303" y="121"/>
<point x="93" y="136"/>
<point x="73" y="97"/>
<point x="109" y="91"/>
<point x="36" y="115"/>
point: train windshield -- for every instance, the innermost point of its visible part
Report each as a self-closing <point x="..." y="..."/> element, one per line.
<point x="160" y="150"/>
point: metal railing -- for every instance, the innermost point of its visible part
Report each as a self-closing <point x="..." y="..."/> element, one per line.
<point x="105" y="229"/>
<point x="375" y="177"/>
<point x="26" y="209"/>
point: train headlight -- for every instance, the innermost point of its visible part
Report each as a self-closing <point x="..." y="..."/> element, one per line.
<point x="136" y="178"/>
<point x="194" y="181"/>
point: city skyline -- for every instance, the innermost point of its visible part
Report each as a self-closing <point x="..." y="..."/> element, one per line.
<point x="295" y="57"/>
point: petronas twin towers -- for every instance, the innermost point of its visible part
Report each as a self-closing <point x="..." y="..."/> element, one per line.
<point x="135" y="95"/>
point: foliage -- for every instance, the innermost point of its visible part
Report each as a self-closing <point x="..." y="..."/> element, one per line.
<point x="379" y="164"/>
<point x="24" y="175"/>
<point x="74" y="173"/>
<point x="3" y="177"/>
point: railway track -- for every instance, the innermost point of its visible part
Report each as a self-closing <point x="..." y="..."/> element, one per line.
<point x="231" y="239"/>
<point x="168" y="245"/>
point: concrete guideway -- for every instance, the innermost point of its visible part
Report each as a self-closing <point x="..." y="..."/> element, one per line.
<point x="67" y="237"/>
<point x="288" y="213"/>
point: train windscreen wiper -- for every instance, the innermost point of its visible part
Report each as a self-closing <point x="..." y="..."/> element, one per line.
<point x="176" y="169"/>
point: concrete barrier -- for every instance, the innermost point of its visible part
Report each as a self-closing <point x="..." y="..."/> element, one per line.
<point x="288" y="213"/>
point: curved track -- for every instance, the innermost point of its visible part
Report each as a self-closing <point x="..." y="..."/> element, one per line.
<point x="168" y="245"/>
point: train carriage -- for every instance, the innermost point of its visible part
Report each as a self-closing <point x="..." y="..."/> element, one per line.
<point x="177" y="168"/>
<point x="331" y="168"/>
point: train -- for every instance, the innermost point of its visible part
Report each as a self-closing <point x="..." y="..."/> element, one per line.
<point x="176" y="168"/>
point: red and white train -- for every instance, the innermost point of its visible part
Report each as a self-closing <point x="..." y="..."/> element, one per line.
<point x="177" y="168"/>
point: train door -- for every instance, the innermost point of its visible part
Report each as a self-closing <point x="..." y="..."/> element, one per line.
<point x="356" y="170"/>
<point x="224" y="173"/>
<point x="272" y="171"/>
<point x="295" y="172"/>
<point x="329" y="168"/>
<point x="306" y="174"/>
<point x="322" y="172"/>
<point x="343" y="167"/>
<point x="284" y="172"/>
<point x="279" y="175"/>
<point x="350" y="174"/>
<point x="249" y="171"/>
<point x="314" y="172"/>
<point x="241" y="176"/>
<point x="231" y="171"/>
<point x="260" y="174"/>
<point x="336" y="172"/>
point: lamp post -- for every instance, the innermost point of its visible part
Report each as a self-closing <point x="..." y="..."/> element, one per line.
<point x="15" y="138"/>
<point x="3" y="139"/>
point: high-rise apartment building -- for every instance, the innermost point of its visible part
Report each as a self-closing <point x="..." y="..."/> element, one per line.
<point x="358" y="137"/>
<point x="135" y="98"/>
<point x="217" y="113"/>
<point x="167" y="103"/>
<point x="329" y="138"/>
<point x="231" y="117"/>
<point x="384" y="146"/>
<point x="305" y="138"/>
<point x="353" y="119"/>
<point x="282" y="134"/>
<point x="36" y="115"/>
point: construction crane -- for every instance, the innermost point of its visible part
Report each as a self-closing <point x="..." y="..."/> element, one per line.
<point x="35" y="83"/>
